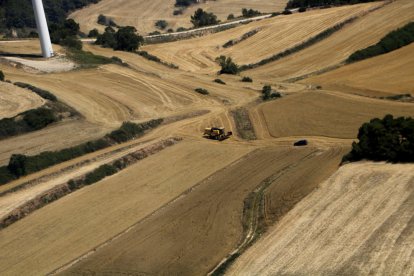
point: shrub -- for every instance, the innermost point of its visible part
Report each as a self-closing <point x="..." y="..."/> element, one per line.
<point x="247" y="79"/>
<point x="184" y="3"/>
<point x="42" y="93"/>
<point x="71" y="42"/>
<point x="392" y="41"/>
<point x="219" y="81"/>
<point x="125" y="39"/>
<point x="106" y="21"/>
<point x="181" y="29"/>
<point x="1" y="76"/>
<point x="227" y="65"/>
<point x="302" y="9"/>
<point x="99" y="174"/>
<point x="202" y="91"/>
<point x="286" y="12"/>
<point x="93" y="33"/>
<point x="154" y="33"/>
<point x="268" y="93"/>
<point x="202" y="18"/>
<point x="390" y="139"/>
<point x="250" y="13"/>
<point x="230" y="17"/>
<point x="65" y="34"/>
<point x="161" y="24"/>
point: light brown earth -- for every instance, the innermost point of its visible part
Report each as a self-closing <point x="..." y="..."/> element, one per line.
<point x="14" y="100"/>
<point x="143" y="14"/>
<point x="362" y="33"/>
<point x="387" y="74"/>
<point x="275" y="35"/>
<point x="325" y="113"/>
<point x="359" y="222"/>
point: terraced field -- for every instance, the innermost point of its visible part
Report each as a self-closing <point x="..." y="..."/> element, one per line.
<point x="394" y="76"/>
<point x="337" y="222"/>
<point x="143" y="14"/>
<point x="324" y="113"/>
<point x="274" y="35"/>
<point x="14" y="100"/>
<point x="332" y="51"/>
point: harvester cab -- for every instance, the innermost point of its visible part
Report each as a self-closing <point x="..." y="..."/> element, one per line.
<point x="217" y="133"/>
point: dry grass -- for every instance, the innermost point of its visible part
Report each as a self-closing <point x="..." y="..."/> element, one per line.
<point x="68" y="228"/>
<point x="143" y="14"/>
<point x="360" y="34"/>
<point x="274" y="35"/>
<point x="14" y="100"/>
<point x="388" y="74"/>
<point x="359" y="222"/>
<point x="323" y="113"/>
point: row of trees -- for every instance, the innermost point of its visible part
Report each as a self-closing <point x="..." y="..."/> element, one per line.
<point x="388" y="139"/>
<point x="124" y="39"/>
<point x="292" y="4"/>
<point x="392" y="41"/>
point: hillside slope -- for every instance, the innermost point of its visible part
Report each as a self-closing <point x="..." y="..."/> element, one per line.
<point x="391" y="73"/>
<point x="143" y="14"/>
<point x="359" y="222"/>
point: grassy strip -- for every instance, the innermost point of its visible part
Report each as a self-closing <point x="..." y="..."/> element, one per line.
<point x="391" y="42"/>
<point x="86" y="180"/>
<point x="243" y="123"/>
<point x="21" y="165"/>
<point x="150" y="57"/>
<point x="311" y="41"/>
<point x="89" y="60"/>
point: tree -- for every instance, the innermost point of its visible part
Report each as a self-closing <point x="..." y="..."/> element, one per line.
<point x="93" y="33"/>
<point x="202" y="18"/>
<point x="161" y="24"/>
<point x="1" y="76"/>
<point x="250" y="12"/>
<point x="127" y="39"/>
<point x="17" y="165"/>
<point x="227" y="65"/>
<point x="268" y="93"/>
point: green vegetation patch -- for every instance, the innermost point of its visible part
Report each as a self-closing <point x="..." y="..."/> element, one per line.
<point x="292" y="4"/>
<point x="150" y="57"/>
<point x="202" y="91"/>
<point x="391" y="42"/>
<point x="41" y="92"/>
<point x="388" y="139"/>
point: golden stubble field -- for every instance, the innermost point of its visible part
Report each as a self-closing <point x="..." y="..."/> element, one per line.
<point x="143" y="14"/>
<point x="358" y="222"/>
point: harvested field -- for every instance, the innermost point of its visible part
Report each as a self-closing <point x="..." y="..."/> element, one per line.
<point x="193" y="234"/>
<point x="143" y="14"/>
<point x="75" y="224"/>
<point x="274" y="35"/>
<point x="362" y="33"/>
<point x="15" y="100"/>
<point x="324" y="113"/>
<point x="59" y="136"/>
<point x="384" y="75"/>
<point x="359" y="222"/>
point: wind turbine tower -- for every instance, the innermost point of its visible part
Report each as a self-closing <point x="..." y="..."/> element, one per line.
<point x="42" y="28"/>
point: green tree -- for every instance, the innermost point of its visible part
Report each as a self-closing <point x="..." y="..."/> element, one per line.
<point x="227" y="65"/>
<point x="202" y="18"/>
<point x="1" y="76"/>
<point x="127" y="39"/>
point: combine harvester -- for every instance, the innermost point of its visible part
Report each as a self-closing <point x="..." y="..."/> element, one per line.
<point x="217" y="133"/>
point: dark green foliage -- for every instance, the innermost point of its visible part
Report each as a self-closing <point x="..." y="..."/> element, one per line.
<point x="292" y="4"/>
<point x="42" y="93"/>
<point x="148" y="56"/>
<point x="170" y="30"/>
<point x="390" y="139"/>
<point x="302" y="9"/>
<point x="155" y="33"/>
<point x="161" y="24"/>
<point x="230" y="17"/>
<point x="392" y="41"/>
<point x="1" y="76"/>
<point x="398" y="97"/>
<point x="202" y="91"/>
<point x="268" y="93"/>
<point x="19" y="13"/>
<point x="286" y="12"/>
<point x="71" y="42"/>
<point x="227" y="65"/>
<point x="250" y="13"/>
<point x="21" y="165"/>
<point x="93" y="33"/>
<point x="202" y="18"/>
<point x="181" y="29"/>
<point x="219" y="81"/>
<point x="65" y="34"/>
<point x="184" y="3"/>
<point x="99" y="174"/>
<point x="106" y="21"/>
<point x="125" y="39"/>
<point x="30" y="120"/>
<point x="247" y="79"/>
